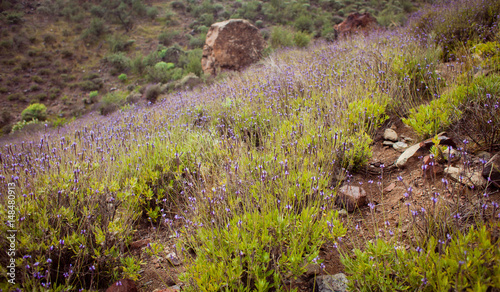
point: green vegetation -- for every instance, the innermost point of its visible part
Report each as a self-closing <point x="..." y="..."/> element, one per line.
<point x="36" y="111"/>
<point x="240" y="177"/>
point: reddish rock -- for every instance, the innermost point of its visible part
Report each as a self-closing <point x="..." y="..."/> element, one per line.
<point x="124" y="285"/>
<point x="139" y="243"/>
<point x="351" y="197"/>
<point x="231" y="45"/>
<point x="356" y="22"/>
<point x="389" y="188"/>
<point x="491" y="170"/>
<point x="431" y="166"/>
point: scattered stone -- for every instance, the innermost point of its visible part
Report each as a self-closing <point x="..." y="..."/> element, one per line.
<point x="451" y="155"/>
<point x="356" y="22"/>
<point x="312" y="269"/>
<point x="491" y="170"/>
<point x="486" y="156"/>
<point x="124" y="285"/>
<point x="389" y="188"/>
<point x="335" y="283"/>
<point x="391" y="135"/>
<point x="388" y="143"/>
<point x="169" y="289"/>
<point x="407" y="155"/>
<point x="233" y="45"/>
<point x="173" y="259"/>
<point x="400" y="146"/>
<point x="470" y="179"/>
<point x="351" y="197"/>
<point x="139" y="244"/>
<point x="342" y="213"/>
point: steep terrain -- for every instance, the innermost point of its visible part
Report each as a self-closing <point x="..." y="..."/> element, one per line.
<point x="375" y="155"/>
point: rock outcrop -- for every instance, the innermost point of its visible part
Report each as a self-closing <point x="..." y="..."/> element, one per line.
<point x="356" y="22"/>
<point x="231" y="45"/>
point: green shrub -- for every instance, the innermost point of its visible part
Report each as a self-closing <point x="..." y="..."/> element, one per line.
<point x="23" y="124"/>
<point x="112" y="102"/>
<point x="465" y="262"/>
<point x="257" y="251"/>
<point x="118" y="43"/>
<point x="304" y="24"/>
<point x="14" y="17"/>
<point x="93" y="96"/>
<point x="91" y="85"/>
<point x="301" y="39"/>
<point x="37" y="79"/>
<point x="197" y="42"/>
<point x="138" y="64"/>
<point x="122" y="77"/>
<point x="152" y="12"/>
<point x="193" y="64"/>
<point x="166" y="38"/>
<point x="36" y="111"/>
<point x="281" y="37"/>
<point x="96" y="29"/>
<point x="368" y="114"/>
<point x="119" y="62"/>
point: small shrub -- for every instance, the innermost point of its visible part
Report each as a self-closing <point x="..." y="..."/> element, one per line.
<point x="152" y="93"/>
<point x="197" y="42"/>
<point x="281" y="37"/>
<point x="111" y="102"/>
<point x="166" y="38"/>
<point x="93" y="96"/>
<point x="122" y="77"/>
<point x="96" y="29"/>
<point x="91" y="85"/>
<point x="49" y="39"/>
<point x="194" y="62"/>
<point x="152" y="12"/>
<point x="37" y="79"/>
<point x="16" y="97"/>
<point x="36" y="111"/>
<point x="119" y="61"/>
<point x="40" y="97"/>
<point x="301" y="39"/>
<point x="119" y="43"/>
<point x="304" y="23"/>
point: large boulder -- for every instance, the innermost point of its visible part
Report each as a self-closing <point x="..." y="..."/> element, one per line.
<point x="356" y="22"/>
<point x="231" y="45"/>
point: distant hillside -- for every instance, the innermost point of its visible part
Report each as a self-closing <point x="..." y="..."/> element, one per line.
<point x="69" y="54"/>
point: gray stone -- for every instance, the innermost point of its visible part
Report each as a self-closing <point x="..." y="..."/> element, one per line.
<point x="388" y="143"/>
<point x="343" y="213"/>
<point x="451" y="154"/>
<point x="351" y="197"/>
<point x="406" y="155"/>
<point x="484" y="155"/>
<point x="335" y="283"/>
<point x="468" y="178"/>
<point x="400" y="146"/>
<point x="391" y="135"/>
<point x="173" y="259"/>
